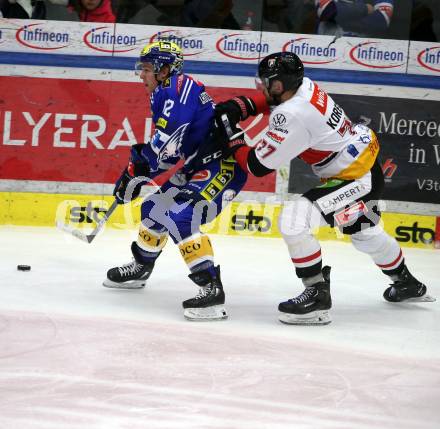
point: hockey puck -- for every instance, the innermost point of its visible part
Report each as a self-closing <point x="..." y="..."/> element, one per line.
<point x="23" y="267"/>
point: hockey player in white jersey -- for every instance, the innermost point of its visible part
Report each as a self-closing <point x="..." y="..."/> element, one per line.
<point x="308" y="124"/>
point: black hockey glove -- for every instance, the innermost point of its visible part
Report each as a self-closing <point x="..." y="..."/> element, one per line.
<point x="236" y="109"/>
<point x="234" y="145"/>
<point x="228" y="146"/>
<point x="129" y="185"/>
<point x="139" y="164"/>
<point x="127" y="188"/>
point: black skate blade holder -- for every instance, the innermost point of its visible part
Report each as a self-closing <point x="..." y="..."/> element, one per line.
<point x="88" y="238"/>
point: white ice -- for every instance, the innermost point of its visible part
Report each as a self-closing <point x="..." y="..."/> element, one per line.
<point x="74" y="354"/>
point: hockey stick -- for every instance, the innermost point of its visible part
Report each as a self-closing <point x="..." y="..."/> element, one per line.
<point x="88" y="238"/>
<point x="251" y="125"/>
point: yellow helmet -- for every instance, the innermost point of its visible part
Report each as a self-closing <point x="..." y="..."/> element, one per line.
<point x="161" y="53"/>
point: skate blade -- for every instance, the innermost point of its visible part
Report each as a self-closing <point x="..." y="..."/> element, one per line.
<point x="207" y="314"/>
<point x="321" y="317"/>
<point x="126" y="285"/>
<point x="424" y="298"/>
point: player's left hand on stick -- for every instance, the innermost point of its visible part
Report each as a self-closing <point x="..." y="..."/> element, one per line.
<point x="129" y="185"/>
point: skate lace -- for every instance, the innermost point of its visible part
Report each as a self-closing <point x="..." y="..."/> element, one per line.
<point x="129" y="269"/>
<point x="307" y="294"/>
<point x="203" y="292"/>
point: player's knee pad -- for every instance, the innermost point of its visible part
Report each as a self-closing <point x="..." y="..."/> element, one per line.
<point x="373" y="241"/>
<point x="297" y="218"/>
<point x="196" y="249"/>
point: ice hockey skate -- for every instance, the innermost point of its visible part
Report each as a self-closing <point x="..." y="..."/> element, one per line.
<point x="310" y="307"/>
<point x="407" y="288"/>
<point x="208" y="304"/>
<point x="133" y="275"/>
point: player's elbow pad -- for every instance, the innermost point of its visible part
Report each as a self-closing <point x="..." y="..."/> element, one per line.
<point x="255" y="167"/>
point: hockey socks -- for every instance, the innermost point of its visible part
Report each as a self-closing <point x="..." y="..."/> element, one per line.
<point x="196" y="250"/>
<point x="150" y="243"/>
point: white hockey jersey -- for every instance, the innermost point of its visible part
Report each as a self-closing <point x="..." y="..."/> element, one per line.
<point x="311" y="126"/>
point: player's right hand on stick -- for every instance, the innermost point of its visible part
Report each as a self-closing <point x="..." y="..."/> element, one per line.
<point x="127" y="187"/>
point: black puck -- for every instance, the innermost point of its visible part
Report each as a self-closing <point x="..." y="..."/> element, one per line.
<point x="23" y="267"/>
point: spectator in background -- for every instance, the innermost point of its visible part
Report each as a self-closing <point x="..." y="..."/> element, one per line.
<point x="209" y="14"/>
<point x="93" y="10"/>
<point x="289" y="16"/>
<point x="23" y="9"/>
<point x="164" y="12"/>
<point x="422" y="20"/>
<point x="368" y="18"/>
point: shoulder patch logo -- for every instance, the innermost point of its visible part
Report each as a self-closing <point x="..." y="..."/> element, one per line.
<point x="279" y="119"/>
<point x="204" y="97"/>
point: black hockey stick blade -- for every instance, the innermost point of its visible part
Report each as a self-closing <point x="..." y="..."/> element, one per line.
<point x="88" y="238"/>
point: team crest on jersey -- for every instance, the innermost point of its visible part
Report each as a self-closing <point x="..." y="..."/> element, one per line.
<point x="171" y="148"/>
<point x="279" y="119"/>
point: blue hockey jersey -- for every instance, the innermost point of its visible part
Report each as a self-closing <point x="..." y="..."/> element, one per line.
<point x="183" y="116"/>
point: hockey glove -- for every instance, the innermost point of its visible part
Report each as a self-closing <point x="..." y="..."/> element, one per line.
<point x="129" y="185"/>
<point x="236" y="109"/>
<point x="139" y="164"/>
<point x="235" y="144"/>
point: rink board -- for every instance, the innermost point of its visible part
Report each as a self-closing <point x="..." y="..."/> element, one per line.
<point x="248" y="218"/>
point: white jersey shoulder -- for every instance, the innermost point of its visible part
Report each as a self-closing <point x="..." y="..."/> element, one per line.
<point x="311" y="126"/>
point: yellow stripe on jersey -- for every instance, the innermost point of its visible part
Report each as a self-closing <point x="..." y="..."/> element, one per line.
<point x="196" y="249"/>
<point x="221" y="179"/>
<point x="151" y="241"/>
<point x="363" y="164"/>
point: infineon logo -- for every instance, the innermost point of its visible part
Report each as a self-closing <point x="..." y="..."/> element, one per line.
<point x="104" y="39"/>
<point x="241" y="47"/>
<point x="430" y="58"/>
<point x="189" y="44"/>
<point x="309" y="52"/>
<point x="371" y="55"/>
<point x="34" y="37"/>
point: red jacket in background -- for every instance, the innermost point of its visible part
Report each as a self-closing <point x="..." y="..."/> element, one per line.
<point x="103" y="13"/>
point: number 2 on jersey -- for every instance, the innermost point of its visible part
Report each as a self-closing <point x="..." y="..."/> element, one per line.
<point x="167" y="107"/>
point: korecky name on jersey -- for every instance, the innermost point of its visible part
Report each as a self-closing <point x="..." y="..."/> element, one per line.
<point x="335" y="116"/>
<point x="340" y="198"/>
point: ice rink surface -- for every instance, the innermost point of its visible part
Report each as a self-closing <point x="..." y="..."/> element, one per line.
<point x="74" y="354"/>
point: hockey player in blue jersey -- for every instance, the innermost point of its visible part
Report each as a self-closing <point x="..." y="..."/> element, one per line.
<point x="368" y="18"/>
<point x="183" y="115"/>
